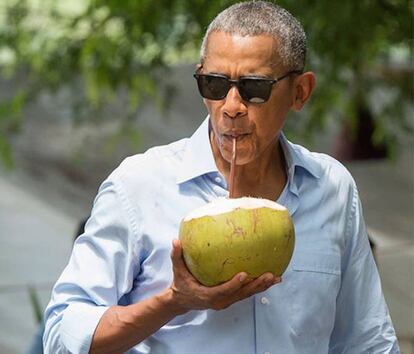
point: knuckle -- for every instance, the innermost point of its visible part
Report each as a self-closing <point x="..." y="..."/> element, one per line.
<point x="205" y="298"/>
<point x="219" y="306"/>
<point x="216" y="307"/>
<point x="221" y="293"/>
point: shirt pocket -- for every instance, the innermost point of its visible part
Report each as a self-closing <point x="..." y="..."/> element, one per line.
<point x="324" y="263"/>
<point x="314" y="281"/>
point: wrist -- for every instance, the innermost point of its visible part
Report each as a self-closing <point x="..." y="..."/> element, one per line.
<point x="167" y="300"/>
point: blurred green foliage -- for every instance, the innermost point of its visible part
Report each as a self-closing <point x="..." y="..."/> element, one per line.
<point x="359" y="50"/>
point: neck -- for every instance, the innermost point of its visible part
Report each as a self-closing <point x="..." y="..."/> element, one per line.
<point x="264" y="177"/>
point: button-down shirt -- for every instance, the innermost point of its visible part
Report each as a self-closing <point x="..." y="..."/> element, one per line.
<point x="330" y="299"/>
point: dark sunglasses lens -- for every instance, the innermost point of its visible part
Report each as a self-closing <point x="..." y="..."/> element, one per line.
<point x="255" y="90"/>
<point x="213" y="87"/>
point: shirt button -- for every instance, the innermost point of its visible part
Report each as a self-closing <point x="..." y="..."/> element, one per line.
<point x="264" y="300"/>
<point x="266" y="353"/>
<point x="217" y="179"/>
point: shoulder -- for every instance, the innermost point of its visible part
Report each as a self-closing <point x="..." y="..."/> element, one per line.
<point x="142" y="177"/>
<point x="330" y="184"/>
<point x="324" y="166"/>
<point x="325" y="175"/>
<point x="156" y="162"/>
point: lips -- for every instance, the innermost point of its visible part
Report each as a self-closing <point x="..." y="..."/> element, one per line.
<point x="235" y="134"/>
<point x="232" y="136"/>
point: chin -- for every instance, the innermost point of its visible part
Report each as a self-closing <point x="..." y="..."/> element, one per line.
<point x="241" y="159"/>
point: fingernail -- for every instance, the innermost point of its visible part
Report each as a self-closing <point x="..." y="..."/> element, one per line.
<point x="277" y="280"/>
<point x="242" y="277"/>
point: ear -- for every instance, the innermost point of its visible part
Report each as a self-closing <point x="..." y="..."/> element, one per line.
<point x="303" y="88"/>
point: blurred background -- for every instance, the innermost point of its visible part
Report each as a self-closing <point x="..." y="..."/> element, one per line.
<point x="85" y="83"/>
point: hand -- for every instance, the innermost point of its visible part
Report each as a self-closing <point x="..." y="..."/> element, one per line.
<point x="189" y="294"/>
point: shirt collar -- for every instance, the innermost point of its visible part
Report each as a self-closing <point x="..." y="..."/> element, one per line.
<point x="297" y="156"/>
<point x="198" y="157"/>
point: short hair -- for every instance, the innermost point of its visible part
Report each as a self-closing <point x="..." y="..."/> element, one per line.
<point x="254" y="18"/>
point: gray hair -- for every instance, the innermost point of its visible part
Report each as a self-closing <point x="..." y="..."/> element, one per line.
<point x="254" y="18"/>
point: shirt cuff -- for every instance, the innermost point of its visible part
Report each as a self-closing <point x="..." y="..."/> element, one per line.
<point x="78" y="326"/>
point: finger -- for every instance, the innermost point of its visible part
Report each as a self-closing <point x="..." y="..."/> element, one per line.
<point x="259" y="284"/>
<point x="180" y="269"/>
<point x="270" y="278"/>
<point x="277" y="280"/>
<point x="231" y="286"/>
<point x="177" y="257"/>
<point x="176" y="252"/>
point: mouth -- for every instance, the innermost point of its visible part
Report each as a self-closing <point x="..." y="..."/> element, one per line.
<point x="235" y="135"/>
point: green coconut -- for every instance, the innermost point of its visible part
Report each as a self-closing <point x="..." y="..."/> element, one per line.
<point x="228" y="236"/>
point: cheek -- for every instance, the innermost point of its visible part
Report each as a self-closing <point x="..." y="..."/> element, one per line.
<point x="213" y="109"/>
<point x="267" y="127"/>
<point x="206" y="103"/>
<point x="276" y="113"/>
<point x="212" y="106"/>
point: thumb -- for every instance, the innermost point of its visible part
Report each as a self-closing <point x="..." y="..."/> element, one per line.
<point x="177" y="256"/>
<point x="177" y="251"/>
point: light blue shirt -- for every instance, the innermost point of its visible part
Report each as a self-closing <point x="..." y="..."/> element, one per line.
<point x="330" y="300"/>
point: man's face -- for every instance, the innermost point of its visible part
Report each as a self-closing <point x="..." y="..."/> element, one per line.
<point x="256" y="125"/>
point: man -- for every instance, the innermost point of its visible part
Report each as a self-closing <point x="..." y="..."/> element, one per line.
<point x="121" y="292"/>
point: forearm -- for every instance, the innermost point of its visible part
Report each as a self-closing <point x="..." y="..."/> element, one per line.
<point x="122" y="327"/>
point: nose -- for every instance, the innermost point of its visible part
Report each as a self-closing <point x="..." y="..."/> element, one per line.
<point x="234" y="106"/>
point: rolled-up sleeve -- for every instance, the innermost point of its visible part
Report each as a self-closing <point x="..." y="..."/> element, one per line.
<point x="363" y="324"/>
<point x="100" y="271"/>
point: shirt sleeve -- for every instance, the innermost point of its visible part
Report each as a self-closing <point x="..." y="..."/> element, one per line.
<point x="362" y="323"/>
<point x="101" y="270"/>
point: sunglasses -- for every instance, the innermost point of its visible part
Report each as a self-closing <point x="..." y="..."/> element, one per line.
<point x="252" y="89"/>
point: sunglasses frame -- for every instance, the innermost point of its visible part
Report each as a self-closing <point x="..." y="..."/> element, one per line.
<point x="236" y="83"/>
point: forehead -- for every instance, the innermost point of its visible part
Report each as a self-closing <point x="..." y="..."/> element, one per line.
<point x="233" y="54"/>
